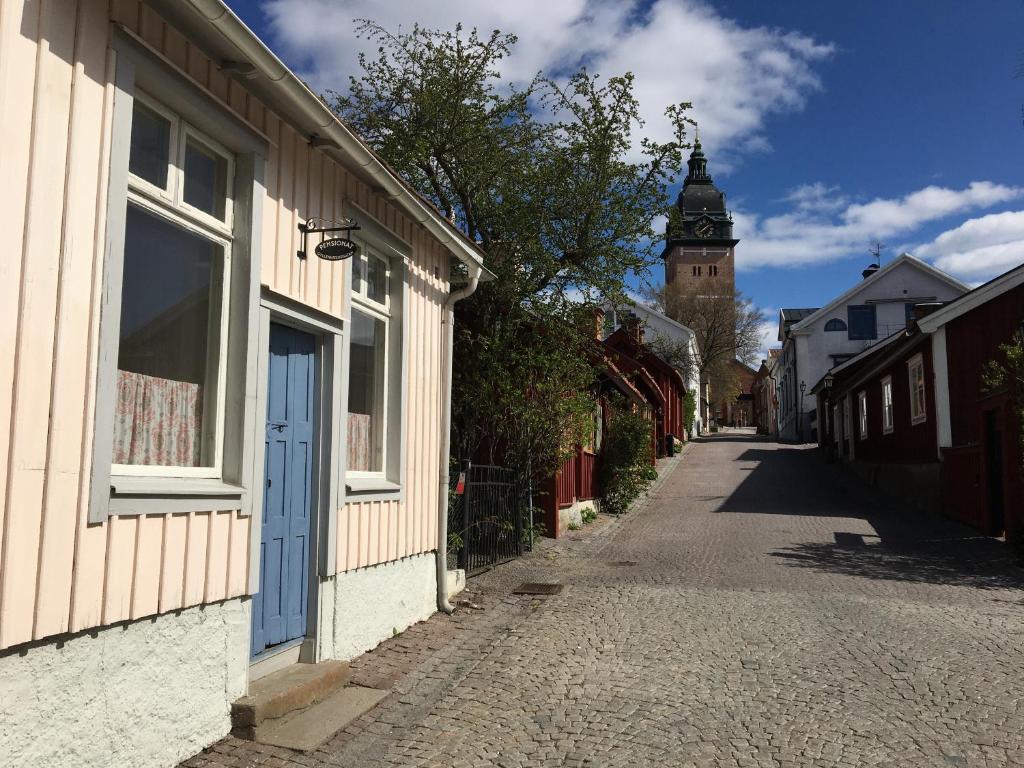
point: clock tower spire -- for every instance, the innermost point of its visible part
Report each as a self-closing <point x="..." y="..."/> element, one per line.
<point x="699" y="246"/>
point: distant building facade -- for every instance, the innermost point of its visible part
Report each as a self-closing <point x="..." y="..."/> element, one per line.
<point x="815" y="340"/>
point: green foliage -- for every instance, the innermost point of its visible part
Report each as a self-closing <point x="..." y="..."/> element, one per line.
<point x="1008" y="373"/>
<point x="534" y="532"/>
<point x="549" y="180"/>
<point x="574" y="526"/>
<point x="589" y="515"/>
<point x="689" y="412"/>
<point x="626" y="469"/>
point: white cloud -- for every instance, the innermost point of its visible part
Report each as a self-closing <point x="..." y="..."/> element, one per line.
<point x="980" y="248"/>
<point x="769" y="330"/>
<point x="823" y="226"/>
<point x="679" y="50"/>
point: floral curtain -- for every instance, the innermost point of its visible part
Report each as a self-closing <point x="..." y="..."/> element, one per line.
<point x="359" y="442"/>
<point x="157" y="421"/>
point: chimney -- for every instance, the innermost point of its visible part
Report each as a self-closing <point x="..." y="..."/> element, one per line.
<point x="872" y="268"/>
<point x="598" y="323"/>
<point x="632" y="325"/>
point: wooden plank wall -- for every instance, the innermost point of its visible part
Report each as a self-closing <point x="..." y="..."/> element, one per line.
<point x="58" y="573"/>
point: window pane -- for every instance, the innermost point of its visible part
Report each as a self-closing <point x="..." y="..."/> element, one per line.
<point x="205" y="179"/>
<point x="150" y="145"/>
<point x="377" y="279"/>
<point x="169" y="350"/>
<point x="366" y="394"/>
<point x="861" y="321"/>
<point x="358" y="275"/>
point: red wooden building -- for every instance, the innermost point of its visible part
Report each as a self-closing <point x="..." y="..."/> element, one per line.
<point x="914" y="414"/>
<point x="630" y="370"/>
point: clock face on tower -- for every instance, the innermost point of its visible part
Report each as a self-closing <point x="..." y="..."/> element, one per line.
<point x="705" y="228"/>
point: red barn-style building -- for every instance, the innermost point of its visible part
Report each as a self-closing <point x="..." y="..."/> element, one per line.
<point x="915" y="415"/>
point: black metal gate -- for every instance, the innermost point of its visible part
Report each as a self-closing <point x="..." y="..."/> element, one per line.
<point x="488" y="522"/>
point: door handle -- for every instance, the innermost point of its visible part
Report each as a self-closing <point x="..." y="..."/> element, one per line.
<point x="277" y="425"/>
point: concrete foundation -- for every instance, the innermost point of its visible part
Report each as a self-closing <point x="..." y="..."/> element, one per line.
<point x="573" y="514"/>
<point x="147" y="694"/>
<point x="917" y="485"/>
<point x="361" y="608"/>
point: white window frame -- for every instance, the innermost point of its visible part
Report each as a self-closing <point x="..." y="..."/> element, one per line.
<point x="914" y="365"/>
<point x="361" y="302"/>
<point x="376" y="240"/>
<point x="168" y="204"/>
<point x="862" y="414"/>
<point x="124" y="490"/>
<point x="888" y="407"/>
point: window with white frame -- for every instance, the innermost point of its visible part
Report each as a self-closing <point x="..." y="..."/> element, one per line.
<point x="862" y="414"/>
<point x="915" y="375"/>
<point x="172" y="346"/>
<point x="887" y="408"/>
<point x="369" y="353"/>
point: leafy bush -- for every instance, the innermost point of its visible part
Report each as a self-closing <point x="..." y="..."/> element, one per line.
<point x="626" y="469"/>
<point x="589" y="515"/>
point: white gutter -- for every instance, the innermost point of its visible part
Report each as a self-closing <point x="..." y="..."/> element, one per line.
<point x="307" y="104"/>
<point x="448" y="324"/>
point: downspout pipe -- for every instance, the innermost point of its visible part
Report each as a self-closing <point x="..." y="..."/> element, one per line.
<point x="448" y="344"/>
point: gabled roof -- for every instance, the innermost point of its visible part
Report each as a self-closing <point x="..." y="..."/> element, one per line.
<point x="642" y="309"/>
<point x="972" y="299"/>
<point x="642" y="353"/>
<point x="904" y="258"/>
<point x="789" y="316"/>
<point x="861" y="356"/>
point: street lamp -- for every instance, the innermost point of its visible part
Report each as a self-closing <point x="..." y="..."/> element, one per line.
<point x="800" y="423"/>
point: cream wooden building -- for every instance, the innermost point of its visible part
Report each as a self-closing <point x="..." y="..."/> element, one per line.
<point x="212" y="451"/>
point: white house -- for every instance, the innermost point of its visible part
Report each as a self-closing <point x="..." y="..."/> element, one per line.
<point x="660" y="327"/>
<point x="815" y="340"/>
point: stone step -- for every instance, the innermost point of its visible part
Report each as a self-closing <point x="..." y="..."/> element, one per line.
<point x="307" y="729"/>
<point x="294" y="688"/>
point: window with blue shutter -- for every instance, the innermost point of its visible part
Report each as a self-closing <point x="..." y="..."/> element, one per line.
<point x="861" y="320"/>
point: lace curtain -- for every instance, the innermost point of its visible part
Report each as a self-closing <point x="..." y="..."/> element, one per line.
<point x="157" y="421"/>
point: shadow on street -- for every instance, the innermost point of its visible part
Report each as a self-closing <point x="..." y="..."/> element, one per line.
<point x="907" y="545"/>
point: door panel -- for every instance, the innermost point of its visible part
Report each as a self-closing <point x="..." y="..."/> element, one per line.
<point x="279" y="609"/>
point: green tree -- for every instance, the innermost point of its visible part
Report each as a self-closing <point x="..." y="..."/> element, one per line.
<point x="1007" y="372"/>
<point x="550" y="182"/>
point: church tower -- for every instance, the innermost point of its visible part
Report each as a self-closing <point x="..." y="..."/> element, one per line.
<point x="699" y="246"/>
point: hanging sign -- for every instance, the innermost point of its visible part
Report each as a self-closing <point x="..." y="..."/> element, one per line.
<point x="335" y="249"/>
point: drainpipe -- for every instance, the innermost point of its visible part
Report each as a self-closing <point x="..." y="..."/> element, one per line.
<point x="448" y="324"/>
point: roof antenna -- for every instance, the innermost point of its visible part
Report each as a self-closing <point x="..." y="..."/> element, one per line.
<point x="876" y="251"/>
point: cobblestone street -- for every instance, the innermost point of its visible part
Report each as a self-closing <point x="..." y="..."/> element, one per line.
<point x="760" y="609"/>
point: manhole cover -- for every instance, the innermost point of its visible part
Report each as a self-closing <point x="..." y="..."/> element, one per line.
<point x="533" y="588"/>
<point x="623" y="563"/>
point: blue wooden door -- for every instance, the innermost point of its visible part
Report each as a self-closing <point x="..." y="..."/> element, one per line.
<point x="279" y="609"/>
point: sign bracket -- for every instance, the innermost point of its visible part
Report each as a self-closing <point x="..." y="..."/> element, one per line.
<point x="332" y="249"/>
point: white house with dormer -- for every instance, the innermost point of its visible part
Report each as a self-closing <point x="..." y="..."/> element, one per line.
<point x="815" y="340"/>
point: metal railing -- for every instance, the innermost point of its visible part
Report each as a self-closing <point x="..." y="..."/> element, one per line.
<point x="488" y="521"/>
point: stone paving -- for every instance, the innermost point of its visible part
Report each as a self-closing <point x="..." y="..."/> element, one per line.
<point x="761" y="609"/>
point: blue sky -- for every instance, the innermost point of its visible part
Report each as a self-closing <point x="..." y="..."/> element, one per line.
<point x="828" y="124"/>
